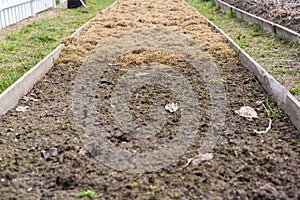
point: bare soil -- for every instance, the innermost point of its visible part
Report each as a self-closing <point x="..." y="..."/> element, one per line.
<point x="245" y="165"/>
<point x="288" y="16"/>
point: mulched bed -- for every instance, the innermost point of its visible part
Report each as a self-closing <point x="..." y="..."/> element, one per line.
<point x="130" y="37"/>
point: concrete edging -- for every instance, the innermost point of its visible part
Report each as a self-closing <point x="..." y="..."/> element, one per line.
<point x="11" y="96"/>
<point x="265" y="24"/>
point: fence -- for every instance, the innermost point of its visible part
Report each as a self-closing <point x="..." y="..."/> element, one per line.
<point x="12" y="11"/>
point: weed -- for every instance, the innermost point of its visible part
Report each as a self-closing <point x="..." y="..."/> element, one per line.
<point x="236" y="154"/>
<point x="86" y="193"/>
<point x="135" y="184"/>
<point x="231" y="13"/>
<point x="279" y="108"/>
<point x="215" y="81"/>
<point x="270" y="111"/>
<point x="153" y="187"/>
<point x="239" y="35"/>
<point x="294" y="90"/>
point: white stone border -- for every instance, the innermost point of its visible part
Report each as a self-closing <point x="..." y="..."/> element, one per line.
<point x="11" y="96"/>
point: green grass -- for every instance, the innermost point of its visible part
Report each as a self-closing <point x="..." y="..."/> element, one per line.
<point x="281" y="69"/>
<point x="294" y="90"/>
<point x="21" y="49"/>
<point x="270" y="110"/>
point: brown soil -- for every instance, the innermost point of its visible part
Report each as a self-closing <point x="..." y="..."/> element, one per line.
<point x="137" y="35"/>
<point x="288" y="16"/>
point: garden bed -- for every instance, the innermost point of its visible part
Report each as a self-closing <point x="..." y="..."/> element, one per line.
<point x="130" y="37"/>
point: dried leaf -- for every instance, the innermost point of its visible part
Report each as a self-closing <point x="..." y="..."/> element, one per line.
<point x="171" y="107"/>
<point x="22" y="108"/>
<point x="52" y="152"/>
<point x="87" y="150"/>
<point x="199" y="159"/>
<point x="202" y="157"/>
<point x="247" y="112"/>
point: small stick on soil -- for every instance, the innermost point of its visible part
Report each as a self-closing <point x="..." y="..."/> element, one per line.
<point x="188" y="163"/>
<point x="265" y="131"/>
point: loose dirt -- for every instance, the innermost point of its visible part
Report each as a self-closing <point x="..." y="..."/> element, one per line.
<point x="287" y="15"/>
<point x="245" y="165"/>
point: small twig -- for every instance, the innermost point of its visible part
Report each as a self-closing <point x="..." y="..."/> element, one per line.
<point x="268" y="112"/>
<point x="265" y="131"/>
<point x="188" y="162"/>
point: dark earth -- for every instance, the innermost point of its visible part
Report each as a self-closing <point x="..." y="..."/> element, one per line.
<point x="287" y="14"/>
<point x="245" y="165"/>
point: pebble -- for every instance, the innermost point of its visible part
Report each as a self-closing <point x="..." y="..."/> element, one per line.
<point x="269" y="168"/>
<point x="5" y="182"/>
<point x="237" y="170"/>
<point x="170" y="169"/>
<point x="104" y="80"/>
<point x="70" y="148"/>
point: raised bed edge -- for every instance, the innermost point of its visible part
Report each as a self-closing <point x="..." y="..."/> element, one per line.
<point x="10" y="97"/>
<point x="280" y="94"/>
<point x="265" y="24"/>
